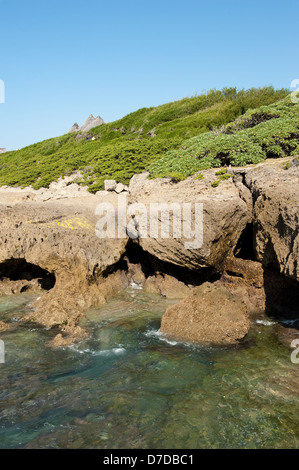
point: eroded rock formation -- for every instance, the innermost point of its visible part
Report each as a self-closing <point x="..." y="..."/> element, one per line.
<point x="60" y="239"/>
<point x="225" y="216"/>
<point x="275" y="196"/>
<point x="249" y="250"/>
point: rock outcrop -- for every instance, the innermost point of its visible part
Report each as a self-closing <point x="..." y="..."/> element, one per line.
<point x="275" y="194"/>
<point x="167" y="286"/>
<point x="61" y="240"/>
<point x="49" y="236"/>
<point x="210" y="315"/>
<point x="245" y="280"/>
<point x="74" y="128"/>
<point x="113" y="186"/>
<point x="225" y="216"/>
<point x="89" y="124"/>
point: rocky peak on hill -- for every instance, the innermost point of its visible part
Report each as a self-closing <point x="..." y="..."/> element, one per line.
<point x="74" y="128"/>
<point x="2" y="150"/>
<point x="90" y="123"/>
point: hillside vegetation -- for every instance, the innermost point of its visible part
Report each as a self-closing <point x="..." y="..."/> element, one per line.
<point x="267" y="132"/>
<point x="175" y="137"/>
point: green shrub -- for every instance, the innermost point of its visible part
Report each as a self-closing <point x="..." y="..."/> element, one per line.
<point x="177" y="177"/>
<point x="224" y="177"/>
<point x="200" y="176"/>
<point x="223" y="171"/>
<point x="269" y="138"/>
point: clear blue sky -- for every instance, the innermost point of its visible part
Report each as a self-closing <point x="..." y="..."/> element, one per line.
<point x="62" y="60"/>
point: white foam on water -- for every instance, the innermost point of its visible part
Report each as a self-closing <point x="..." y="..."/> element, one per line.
<point x="133" y="285"/>
<point x="157" y="334"/>
<point x="266" y="322"/>
<point x="107" y="352"/>
<point x="110" y="351"/>
<point x="190" y="346"/>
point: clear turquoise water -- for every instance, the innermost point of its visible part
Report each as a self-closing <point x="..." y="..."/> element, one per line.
<point x="127" y="387"/>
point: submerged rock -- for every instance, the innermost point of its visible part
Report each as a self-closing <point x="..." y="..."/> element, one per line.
<point x="70" y="337"/>
<point x="287" y="335"/>
<point x="210" y="315"/>
<point x="4" y="326"/>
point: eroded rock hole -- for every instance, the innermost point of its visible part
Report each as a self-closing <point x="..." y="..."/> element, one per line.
<point x="152" y="266"/>
<point x="245" y="245"/>
<point x="19" y="270"/>
<point x="282" y="298"/>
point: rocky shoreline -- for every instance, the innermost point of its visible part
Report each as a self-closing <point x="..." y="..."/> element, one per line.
<point x="247" y="266"/>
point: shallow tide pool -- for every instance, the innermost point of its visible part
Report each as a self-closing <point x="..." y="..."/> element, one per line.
<point x="126" y="386"/>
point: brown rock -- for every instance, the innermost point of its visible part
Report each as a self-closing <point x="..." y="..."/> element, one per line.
<point x="245" y="280"/>
<point x="166" y="285"/>
<point x="251" y="271"/>
<point x="253" y="297"/>
<point x="225" y="215"/>
<point x="286" y="335"/>
<point x="4" y="326"/>
<point x="151" y="286"/>
<point x="134" y="272"/>
<point x="138" y="277"/>
<point x="60" y="238"/>
<point x="70" y="336"/>
<point x="8" y="287"/>
<point x="211" y="315"/>
<point x="276" y="207"/>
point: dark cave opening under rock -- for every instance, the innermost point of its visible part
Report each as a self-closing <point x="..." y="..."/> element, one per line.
<point x="19" y="270"/>
<point x="151" y="266"/>
<point x="245" y="246"/>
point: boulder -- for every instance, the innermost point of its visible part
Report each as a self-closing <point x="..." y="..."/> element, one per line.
<point x="225" y="215"/>
<point x="245" y="280"/>
<point x="110" y="185"/>
<point x="210" y="315"/>
<point x="121" y="188"/>
<point x="167" y="286"/>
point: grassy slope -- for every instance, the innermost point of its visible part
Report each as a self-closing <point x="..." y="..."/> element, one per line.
<point x="133" y="143"/>
<point x="267" y="132"/>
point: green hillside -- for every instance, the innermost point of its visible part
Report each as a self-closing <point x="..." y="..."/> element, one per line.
<point x="164" y="139"/>
<point x="267" y="132"/>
